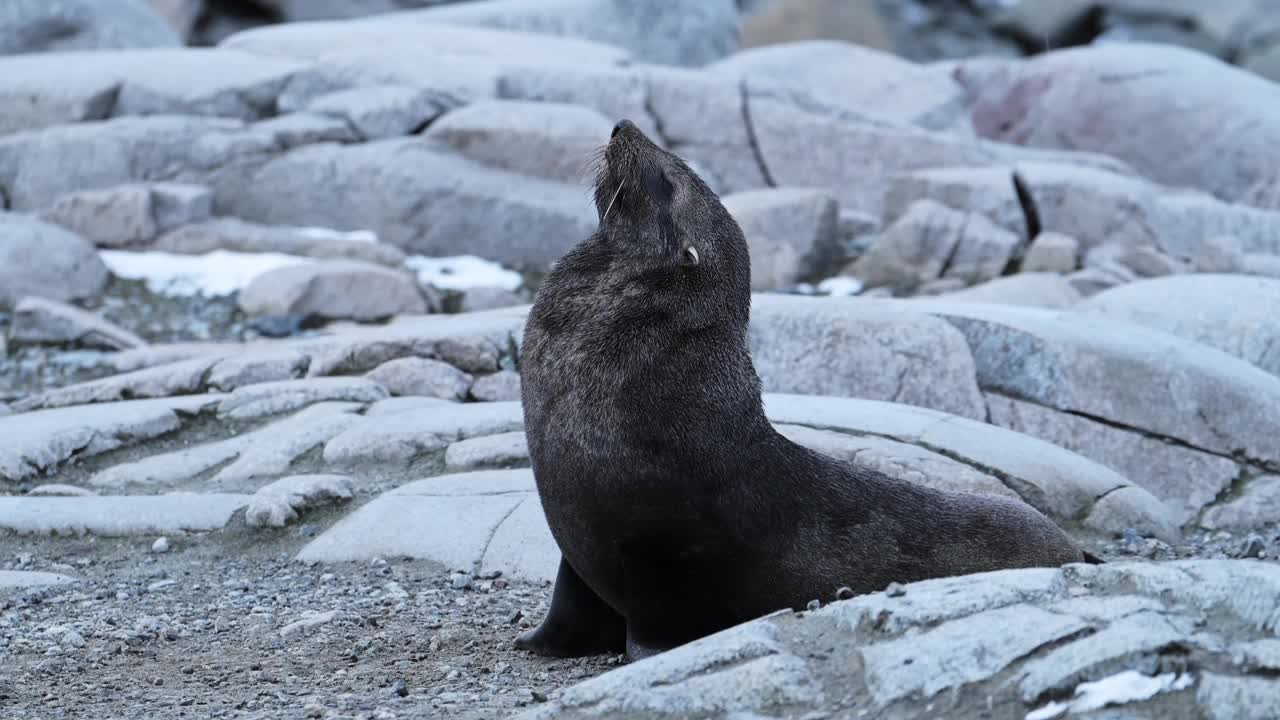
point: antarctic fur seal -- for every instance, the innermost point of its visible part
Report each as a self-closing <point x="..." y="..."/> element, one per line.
<point x="677" y="507"/>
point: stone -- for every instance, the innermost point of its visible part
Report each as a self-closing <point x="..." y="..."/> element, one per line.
<point x="853" y="79"/>
<point x="333" y="290"/>
<point x="177" y="204"/>
<point x="23" y="579"/>
<point x="502" y="386"/>
<point x="381" y="111"/>
<point x="1062" y="484"/>
<point x="399" y="438"/>
<point x="252" y="368"/>
<point x="273" y="398"/>
<point x="1052" y="252"/>
<point x="466" y="510"/>
<point x="669" y="32"/>
<point x="488" y="297"/>
<point x="1260" y="264"/>
<point x="851" y="348"/>
<point x="39" y="442"/>
<point x="988" y="190"/>
<point x="114" y="217"/>
<point x="295" y="129"/>
<point x="416" y="197"/>
<point x="185" y="377"/>
<point x="161" y="545"/>
<point x="59" y="490"/>
<point x="422" y="376"/>
<point x="790" y="232"/>
<point x="495" y="451"/>
<point x="932" y="241"/>
<point x="1030" y="289"/>
<point x="613" y="91"/>
<point x="236" y="235"/>
<point x="310" y="620"/>
<point x="1091" y="281"/>
<point x="784" y="21"/>
<point x="1228" y="312"/>
<point x="42" y="260"/>
<point x="899" y="460"/>
<point x="280" y="503"/>
<point x="552" y="140"/>
<point x="1186" y="480"/>
<point x="1224" y="697"/>
<point x="1052" y="101"/>
<point x="1257" y="506"/>
<point x="1122" y="374"/>
<point x="180" y="14"/>
<point x="1146" y="262"/>
<point x="1220" y="254"/>
<point x="35" y="26"/>
<point x="37" y="321"/>
<point x="120" y="515"/>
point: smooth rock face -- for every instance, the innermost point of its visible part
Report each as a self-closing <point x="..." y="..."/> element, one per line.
<point x="1257" y="505"/>
<point x="37" y="321"/>
<point x="422" y="376"/>
<point x="672" y="32"/>
<point x="501" y="386"/>
<point x="551" y="140"/>
<point x="930" y="652"/>
<point x="45" y="261"/>
<point x="29" y="26"/>
<point x="272" y="398"/>
<point x="1045" y="290"/>
<point x="1233" y="313"/>
<point x="333" y="289"/>
<point x="236" y="235"/>
<point x="381" y="111"/>
<point x="399" y="438"/>
<point x="499" y="450"/>
<point x="130" y="215"/>
<point x="279" y="503"/>
<point x="1052" y="101"/>
<point x="791" y="233"/>
<point x="846" y="347"/>
<point x="119" y="515"/>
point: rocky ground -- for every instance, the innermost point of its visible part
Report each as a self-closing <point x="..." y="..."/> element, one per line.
<point x="261" y="302"/>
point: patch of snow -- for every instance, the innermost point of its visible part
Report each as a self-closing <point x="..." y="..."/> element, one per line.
<point x="1119" y="689"/>
<point x="214" y="274"/>
<point x="840" y="286"/>
<point x="461" y="272"/>
<point x="319" y="233"/>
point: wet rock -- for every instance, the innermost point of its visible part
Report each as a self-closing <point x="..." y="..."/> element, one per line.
<point x="552" y="140"/>
<point x="422" y="376"/>
<point x="381" y="111"/>
<point x="37" y="321"/>
<point x="333" y="289"/>
<point x="829" y="346"/>
<point x="791" y="233"/>
<point x="32" y="26"/>
<point x="236" y="235"/>
<point x="280" y="503"/>
<point x="502" y="386"/>
<point x="1052" y="252"/>
<point x="42" y="260"/>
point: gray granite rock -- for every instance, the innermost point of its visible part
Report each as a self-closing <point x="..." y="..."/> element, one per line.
<point x="1256" y="506"/>
<point x="39" y="442"/>
<point x="377" y="112"/>
<point x="1232" y="313"/>
<point x="23" y="579"/>
<point x="272" y="398"/>
<point x="791" y="234"/>
<point x="1052" y="252"/>
<point x="186" y="377"/>
<point x="33" y="26"/>
<point x="37" y="321"/>
<point x="43" y="260"/>
<point x="492" y="451"/>
<point x="335" y="290"/>
<point x="552" y="140"/>
<point x="132" y="214"/>
<point x="847" y="347"/>
<point x="295" y="129"/>
<point x="119" y="515"/>
<point x="501" y="386"/>
<point x="250" y="368"/>
<point x="422" y="376"/>
<point x="280" y="503"/>
<point x="239" y="236"/>
<point x="1031" y="289"/>
<point x="399" y="438"/>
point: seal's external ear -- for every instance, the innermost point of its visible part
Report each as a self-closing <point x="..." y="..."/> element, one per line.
<point x="689" y="256"/>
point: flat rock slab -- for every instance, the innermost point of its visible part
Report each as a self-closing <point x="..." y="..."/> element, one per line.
<point x="455" y="520"/>
<point x="118" y="515"/>
<point x="273" y="398"/>
<point x="929" y="650"/>
<point x="23" y="579"/>
<point x="1063" y="485"/>
<point x="399" y="438"/>
<point x="38" y="442"/>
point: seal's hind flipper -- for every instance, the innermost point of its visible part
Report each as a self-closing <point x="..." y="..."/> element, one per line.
<point x="579" y="623"/>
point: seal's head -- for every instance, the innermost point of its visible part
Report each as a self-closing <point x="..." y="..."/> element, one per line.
<point x="662" y="228"/>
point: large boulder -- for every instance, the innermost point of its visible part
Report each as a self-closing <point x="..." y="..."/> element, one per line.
<point x="44" y="260"/>
<point x="334" y="289"/>
<point x="1144" y="91"/>
<point x="791" y="232"/>
<point x="672" y="32"/>
<point x="31" y="26"/>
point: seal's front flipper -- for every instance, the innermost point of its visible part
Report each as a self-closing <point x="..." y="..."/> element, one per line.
<point x="579" y="623"/>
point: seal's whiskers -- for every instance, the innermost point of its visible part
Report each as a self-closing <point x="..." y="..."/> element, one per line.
<point x="611" y="202"/>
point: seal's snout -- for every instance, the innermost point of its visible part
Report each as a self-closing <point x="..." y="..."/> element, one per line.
<point x="623" y="124"/>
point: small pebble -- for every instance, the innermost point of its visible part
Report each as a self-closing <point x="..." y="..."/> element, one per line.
<point x="895" y="590"/>
<point x="312" y="710"/>
<point x="400" y="688"/>
<point x="461" y="582"/>
<point x="161" y="545"/>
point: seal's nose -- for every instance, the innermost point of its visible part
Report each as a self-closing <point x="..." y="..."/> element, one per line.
<point x="622" y="125"/>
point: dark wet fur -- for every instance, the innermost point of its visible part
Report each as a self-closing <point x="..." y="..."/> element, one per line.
<point x="678" y="508"/>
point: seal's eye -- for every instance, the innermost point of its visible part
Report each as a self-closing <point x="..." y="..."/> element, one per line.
<point x="689" y="256"/>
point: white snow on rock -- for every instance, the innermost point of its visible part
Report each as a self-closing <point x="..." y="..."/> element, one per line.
<point x="461" y="272"/>
<point x="214" y="274"/>
<point x="1119" y="689"/>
